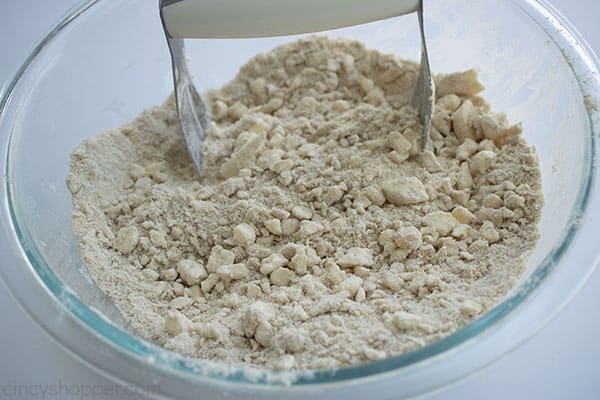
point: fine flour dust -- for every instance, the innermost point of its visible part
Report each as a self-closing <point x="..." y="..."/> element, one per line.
<point x="320" y="234"/>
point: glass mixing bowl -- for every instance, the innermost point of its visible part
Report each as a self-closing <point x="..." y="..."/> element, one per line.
<point x="107" y="61"/>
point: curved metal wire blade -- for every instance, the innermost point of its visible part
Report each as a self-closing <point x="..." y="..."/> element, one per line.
<point x="424" y="93"/>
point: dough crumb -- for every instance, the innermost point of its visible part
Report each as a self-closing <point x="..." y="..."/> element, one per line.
<point x="320" y="234"/>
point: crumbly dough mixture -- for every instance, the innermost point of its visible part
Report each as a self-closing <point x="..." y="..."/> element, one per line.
<point x="320" y="234"/>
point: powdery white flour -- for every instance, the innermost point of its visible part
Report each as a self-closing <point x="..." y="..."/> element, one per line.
<point x="320" y="234"/>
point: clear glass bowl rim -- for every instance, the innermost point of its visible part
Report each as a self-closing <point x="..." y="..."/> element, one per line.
<point x="191" y="368"/>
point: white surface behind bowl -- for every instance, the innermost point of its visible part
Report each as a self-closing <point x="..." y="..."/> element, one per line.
<point x="562" y="361"/>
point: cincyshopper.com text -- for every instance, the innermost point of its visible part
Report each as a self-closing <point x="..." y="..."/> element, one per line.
<point x="81" y="391"/>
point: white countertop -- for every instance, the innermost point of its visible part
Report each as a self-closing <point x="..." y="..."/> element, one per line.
<point x="560" y="362"/>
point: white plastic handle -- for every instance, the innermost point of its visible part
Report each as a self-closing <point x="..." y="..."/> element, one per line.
<point x="260" y="18"/>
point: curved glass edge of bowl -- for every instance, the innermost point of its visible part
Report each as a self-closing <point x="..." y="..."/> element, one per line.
<point x="581" y="60"/>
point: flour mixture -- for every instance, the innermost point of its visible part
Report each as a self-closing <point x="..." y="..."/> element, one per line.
<point x="320" y="235"/>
